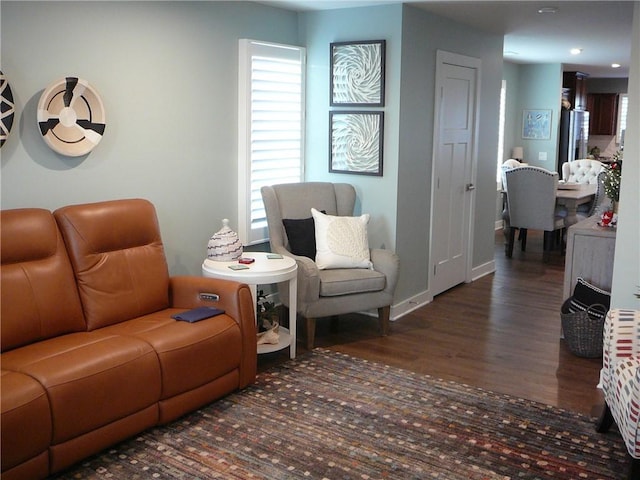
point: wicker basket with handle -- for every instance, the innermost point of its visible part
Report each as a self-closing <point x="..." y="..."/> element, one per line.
<point x="583" y="330"/>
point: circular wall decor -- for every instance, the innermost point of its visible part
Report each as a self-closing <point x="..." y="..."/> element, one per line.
<point x="71" y="116"/>
<point x="7" y="109"/>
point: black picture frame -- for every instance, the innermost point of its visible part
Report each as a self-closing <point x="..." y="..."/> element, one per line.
<point x="357" y="73"/>
<point x="356" y="142"/>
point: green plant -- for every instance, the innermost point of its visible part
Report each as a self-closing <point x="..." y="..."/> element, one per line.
<point x="612" y="180"/>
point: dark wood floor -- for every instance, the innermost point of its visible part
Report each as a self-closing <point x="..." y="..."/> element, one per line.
<point x="501" y="332"/>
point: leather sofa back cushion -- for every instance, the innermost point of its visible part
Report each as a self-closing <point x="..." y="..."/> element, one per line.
<point x="38" y="294"/>
<point x="118" y="258"/>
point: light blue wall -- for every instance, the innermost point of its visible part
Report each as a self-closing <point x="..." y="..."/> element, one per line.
<point x="529" y="85"/>
<point x="540" y="88"/>
<point x="167" y="73"/>
<point x="376" y="195"/>
<point x="513" y="114"/>
<point x="399" y="202"/>
<point x="423" y="35"/>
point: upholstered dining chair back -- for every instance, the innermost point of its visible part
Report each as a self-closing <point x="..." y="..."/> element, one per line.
<point x="511" y="163"/>
<point x="585" y="170"/>
<point x="508" y="165"/>
<point x="532" y="198"/>
<point x="601" y="202"/>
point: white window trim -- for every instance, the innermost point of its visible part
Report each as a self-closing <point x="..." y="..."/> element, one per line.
<point x="623" y="109"/>
<point x="501" y="126"/>
<point x="248" y="48"/>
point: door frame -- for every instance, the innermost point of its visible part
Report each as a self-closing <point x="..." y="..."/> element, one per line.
<point x="444" y="57"/>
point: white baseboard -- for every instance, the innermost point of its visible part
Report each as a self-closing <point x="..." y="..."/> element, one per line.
<point x="406" y="306"/>
<point x="403" y="308"/>
<point x="482" y="270"/>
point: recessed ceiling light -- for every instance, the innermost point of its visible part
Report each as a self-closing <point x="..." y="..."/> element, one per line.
<point x="548" y="10"/>
<point x="575" y="51"/>
<point x="615" y="65"/>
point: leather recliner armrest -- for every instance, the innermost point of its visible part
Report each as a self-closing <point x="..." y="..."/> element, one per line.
<point x="234" y="298"/>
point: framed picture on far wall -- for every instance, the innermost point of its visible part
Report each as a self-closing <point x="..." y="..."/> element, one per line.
<point x="536" y="124"/>
<point x="357" y="73"/>
<point x="355" y="142"/>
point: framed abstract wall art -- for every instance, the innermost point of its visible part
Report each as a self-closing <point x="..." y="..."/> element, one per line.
<point x="357" y="73"/>
<point x="356" y="142"/>
<point x="536" y="124"/>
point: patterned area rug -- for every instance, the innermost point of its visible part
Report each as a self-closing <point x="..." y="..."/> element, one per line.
<point x="330" y="416"/>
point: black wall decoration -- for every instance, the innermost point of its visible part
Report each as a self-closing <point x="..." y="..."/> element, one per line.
<point x="7" y="109"/>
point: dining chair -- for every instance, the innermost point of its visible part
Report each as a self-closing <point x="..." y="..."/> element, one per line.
<point x="585" y="170"/>
<point x="601" y="202"/>
<point x="506" y="224"/>
<point x="326" y="292"/>
<point x="531" y="193"/>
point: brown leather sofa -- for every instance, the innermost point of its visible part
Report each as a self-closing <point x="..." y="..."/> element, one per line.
<point x="90" y="353"/>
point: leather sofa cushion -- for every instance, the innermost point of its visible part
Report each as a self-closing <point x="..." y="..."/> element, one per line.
<point x="38" y="294"/>
<point x="26" y="421"/>
<point x="118" y="258"/>
<point x="91" y="378"/>
<point x="336" y="282"/>
<point x="190" y="354"/>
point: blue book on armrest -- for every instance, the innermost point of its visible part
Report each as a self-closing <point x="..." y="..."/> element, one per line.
<point x="197" y="314"/>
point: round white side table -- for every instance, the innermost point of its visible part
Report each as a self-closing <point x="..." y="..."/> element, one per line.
<point x="264" y="271"/>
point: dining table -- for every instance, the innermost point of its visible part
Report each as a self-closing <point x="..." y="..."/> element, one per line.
<point x="571" y="196"/>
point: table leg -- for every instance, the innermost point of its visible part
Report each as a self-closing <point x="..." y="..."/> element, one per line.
<point x="254" y="296"/>
<point x="293" y="314"/>
<point x="572" y="213"/>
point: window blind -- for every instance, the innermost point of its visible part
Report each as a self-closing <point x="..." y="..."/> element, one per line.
<point x="272" y="126"/>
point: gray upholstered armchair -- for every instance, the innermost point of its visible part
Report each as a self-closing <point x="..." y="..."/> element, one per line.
<point x="329" y="292"/>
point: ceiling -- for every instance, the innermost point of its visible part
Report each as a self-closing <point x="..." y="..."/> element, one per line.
<point x="602" y="29"/>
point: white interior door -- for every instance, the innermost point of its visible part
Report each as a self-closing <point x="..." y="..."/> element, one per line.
<point x="453" y="170"/>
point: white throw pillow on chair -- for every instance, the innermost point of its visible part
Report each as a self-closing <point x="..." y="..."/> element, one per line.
<point x="341" y="242"/>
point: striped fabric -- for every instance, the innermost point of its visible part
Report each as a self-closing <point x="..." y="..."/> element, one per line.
<point x="620" y="376"/>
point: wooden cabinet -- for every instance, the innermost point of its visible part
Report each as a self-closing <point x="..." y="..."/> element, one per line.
<point x="590" y="250"/>
<point x="575" y="86"/>
<point x="603" y="113"/>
